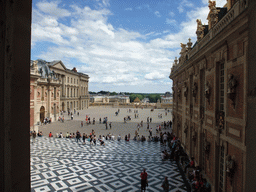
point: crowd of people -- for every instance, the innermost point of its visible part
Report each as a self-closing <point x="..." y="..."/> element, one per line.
<point x="172" y="146"/>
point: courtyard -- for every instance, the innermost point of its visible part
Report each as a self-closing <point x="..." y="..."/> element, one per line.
<point x="62" y="164"/>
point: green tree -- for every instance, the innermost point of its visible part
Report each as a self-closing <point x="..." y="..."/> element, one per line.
<point x="113" y="93"/>
<point x="154" y="97"/>
<point x="140" y="96"/>
<point x="132" y="97"/>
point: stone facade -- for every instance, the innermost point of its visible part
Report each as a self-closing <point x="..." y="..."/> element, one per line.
<point x="54" y="88"/>
<point x="120" y="99"/>
<point x="210" y="96"/>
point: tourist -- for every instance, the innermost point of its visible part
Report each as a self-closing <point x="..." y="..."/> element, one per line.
<point x="110" y="125"/>
<point x="191" y="164"/>
<point x="144" y="177"/>
<point x="60" y="135"/>
<point x="72" y="117"/>
<point x="67" y="135"/>
<point x="94" y="140"/>
<point x="84" y="137"/>
<point x="50" y="134"/>
<point x="102" y="142"/>
<point x="165" y="184"/>
<point x="165" y="137"/>
<point x="118" y="137"/>
<point x="82" y="123"/>
<point x="34" y="136"/>
<point x="100" y="120"/>
<point x="78" y="136"/>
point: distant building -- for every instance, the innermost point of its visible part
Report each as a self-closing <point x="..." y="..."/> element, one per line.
<point x="105" y="99"/>
<point x="145" y="100"/>
<point x="54" y="88"/>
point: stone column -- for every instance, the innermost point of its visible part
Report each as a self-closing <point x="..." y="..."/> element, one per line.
<point x="15" y="41"/>
<point x="250" y="184"/>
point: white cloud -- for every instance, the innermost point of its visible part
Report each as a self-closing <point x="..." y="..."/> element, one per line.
<point x="154" y="76"/>
<point x="170" y="21"/>
<point x="114" y="55"/>
<point x="128" y="9"/>
<point x="52" y="9"/>
<point x="183" y="4"/>
<point x="172" y="14"/>
<point x="157" y="14"/>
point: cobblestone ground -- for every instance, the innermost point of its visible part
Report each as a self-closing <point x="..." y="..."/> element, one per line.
<point x="118" y="125"/>
<point x="65" y="165"/>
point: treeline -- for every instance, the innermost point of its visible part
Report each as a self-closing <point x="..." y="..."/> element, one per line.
<point x="153" y="97"/>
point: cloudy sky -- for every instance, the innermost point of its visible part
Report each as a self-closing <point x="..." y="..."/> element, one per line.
<point x="123" y="45"/>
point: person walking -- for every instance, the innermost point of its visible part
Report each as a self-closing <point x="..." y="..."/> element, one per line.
<point x="165" y="184"/>
<point x="78" y="135"/>
<point x="34" y="136"/>
<point x="144" y="178"/>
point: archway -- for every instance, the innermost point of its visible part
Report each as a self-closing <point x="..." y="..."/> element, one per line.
<point x="42" y="114"/>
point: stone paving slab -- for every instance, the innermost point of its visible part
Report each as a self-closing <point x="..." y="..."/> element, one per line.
<point x="65" y="165"/>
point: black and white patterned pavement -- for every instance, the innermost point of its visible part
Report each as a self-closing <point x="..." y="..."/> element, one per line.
<point x="64" y="165"/>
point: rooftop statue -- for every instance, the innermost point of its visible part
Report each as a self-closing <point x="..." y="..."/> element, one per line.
<point x="212" y="4"/>
<point x="200" y="30"/>
<point x="213" y="14"/>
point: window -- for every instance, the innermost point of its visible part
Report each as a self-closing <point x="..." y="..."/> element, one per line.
<point x="202" y="91"/>
<point x="42" y="95"/>
<point x="221" y="169"/>
<point x="68" y="79"/>
<point x="77" y="81"/>
<point x="221" y="87"/>
<point x="71" y="92"/>
<point x="68" y="92"/>
<point x="71" y="80"/>
<point x="54" y="93"/>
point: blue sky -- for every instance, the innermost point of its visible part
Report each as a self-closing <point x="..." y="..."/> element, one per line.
<point x="123" y="45"/>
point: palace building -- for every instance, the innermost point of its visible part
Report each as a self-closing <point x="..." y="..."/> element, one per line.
<point x="54" y="88"/>
<point x="210" y="97"/>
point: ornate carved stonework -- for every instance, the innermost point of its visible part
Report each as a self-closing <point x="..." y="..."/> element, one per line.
<point x="200" y="30"/>
<point x="185" y="88"/>
<point x="213" y="14"/>
<point x="232" y="84"/>
<point x="194" y="90"/>
<point x="179" y="93"/>
<point x="230" y="164"/>
<point x="183" y="53"/>
<point x="207" y="91"/>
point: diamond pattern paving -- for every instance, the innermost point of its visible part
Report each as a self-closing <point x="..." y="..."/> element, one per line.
<point x="64" y="165"/>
